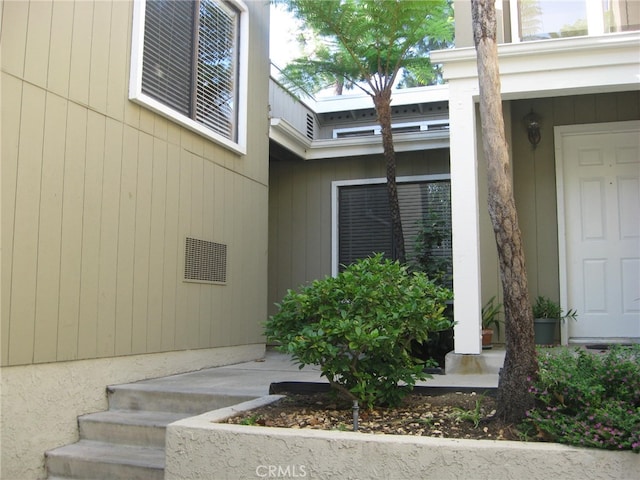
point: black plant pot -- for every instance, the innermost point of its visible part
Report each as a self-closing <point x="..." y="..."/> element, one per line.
<point x="545" y="330"/>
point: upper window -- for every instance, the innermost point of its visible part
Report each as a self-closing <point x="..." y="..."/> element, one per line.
<point x="541" y="19"/>
<point x="189" y="64"/>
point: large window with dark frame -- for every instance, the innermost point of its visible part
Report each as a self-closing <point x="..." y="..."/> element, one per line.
<point x="364" y="220"/>
<point x="191" y="62"/>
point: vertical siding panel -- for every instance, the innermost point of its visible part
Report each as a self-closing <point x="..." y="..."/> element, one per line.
<point x="206" y="295"/>
<point x="15" y="16"/>
<point x="232" y="313"/>
<point x="131" y="114"/>
<point x="48" y="294"/>
<point x="228" y="234"/>
<point x="546" y="212"/>
<point x="313" y="233"/>
<point x="147" y="121"/>
<point x="160" y="127"/>
<point x="81" y="51"/>
<point x="11" y="120"/>
<point x="195" y="290"/>
<point x="299" y="213"/>
<point x="285" y="229"/>
<point x="141" y="249"/>
<point x="23" y="288"/>
<point x="563" y="111"/>
<point x="606" y="108"/>
<point x="60" y="48"/>
<point x="109" y="234"/>
<point x="118" y="59"/>
<point x="256" y="261"/>
<point x="240" y="288"/>
<point x="156" y="246"/>
<point x="183" y="320"/>
<point x="126" y="239"/>
<point x="37" y="50"/>
<point x="327" y="174"/>
<point x="71" y="248"/>
<point x="585" y="108"/>
<point x="275" y="184"/>
<point x="218" y="293"/>
<point x="99" y="69"/>
<point x="172" y="242"/>
<point x="628" y="105"/>
<point x="90" y="279"/>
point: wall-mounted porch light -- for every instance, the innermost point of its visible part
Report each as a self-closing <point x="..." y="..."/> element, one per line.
<point x="532" y="124"/>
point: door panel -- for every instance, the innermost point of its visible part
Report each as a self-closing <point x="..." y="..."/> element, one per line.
<point x="600" y="174"/>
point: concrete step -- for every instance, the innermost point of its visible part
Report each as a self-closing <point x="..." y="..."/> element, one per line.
<point x="91" y="460"/>
<point x="489" y="362"/>
<point x="156" y="398"/>
<point x="129" y="427"/>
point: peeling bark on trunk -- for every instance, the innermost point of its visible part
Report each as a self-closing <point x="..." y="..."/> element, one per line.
<point x="520" y="359"/>
<point x="382" y="102"/>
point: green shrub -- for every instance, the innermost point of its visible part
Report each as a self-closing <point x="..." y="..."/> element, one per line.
<point x="589" y="399"/>
<point x="359" y="327"/>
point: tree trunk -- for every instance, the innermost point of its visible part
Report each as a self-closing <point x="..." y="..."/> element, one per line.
<point x="382" y="102"/>
<point x="520" y="360"/>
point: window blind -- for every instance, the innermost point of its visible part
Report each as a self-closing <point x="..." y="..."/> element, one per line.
<point x="190" y="60"/>
<point x="364" y="219"/>
<point x="217" y="67"/>
<point x="168" y="47"/>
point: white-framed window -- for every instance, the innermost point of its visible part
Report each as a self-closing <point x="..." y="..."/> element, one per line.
<point x="189" y="63"/>
<point x="361" y="218"/>
<point x="543" y="19"/>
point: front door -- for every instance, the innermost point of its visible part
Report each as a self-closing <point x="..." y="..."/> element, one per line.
<point x="598" y="179"/>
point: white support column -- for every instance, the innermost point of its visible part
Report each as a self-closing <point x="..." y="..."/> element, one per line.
<point x="465" y="218"/>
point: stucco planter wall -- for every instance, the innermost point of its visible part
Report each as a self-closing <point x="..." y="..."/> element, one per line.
<point x="199" y="448"/>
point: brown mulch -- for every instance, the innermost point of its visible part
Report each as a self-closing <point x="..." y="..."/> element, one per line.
<point x="448" y="415"/>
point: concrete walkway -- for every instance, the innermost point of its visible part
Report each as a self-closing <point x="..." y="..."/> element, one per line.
<point x="254" y="378"/>
<point x="128" y="440"/>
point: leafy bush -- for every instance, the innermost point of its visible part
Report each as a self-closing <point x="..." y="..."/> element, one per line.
<point x="589" y="399"/>
<point x="544" y="307"/>
<point x="431" y="238"/>
<point x="359" y="327"/>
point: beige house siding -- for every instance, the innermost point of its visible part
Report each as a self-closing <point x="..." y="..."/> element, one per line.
<point x="534" y="173"/>
<point x="98" y="195"/>
<point x="300" y="211"/>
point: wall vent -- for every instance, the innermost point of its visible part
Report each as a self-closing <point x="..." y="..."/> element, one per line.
<point x="205" y="261"/>
<point x="309" y="126"/>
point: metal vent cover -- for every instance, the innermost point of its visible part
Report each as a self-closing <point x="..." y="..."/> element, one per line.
<point x="205" y="261"/>
<point x="310" y="126"/>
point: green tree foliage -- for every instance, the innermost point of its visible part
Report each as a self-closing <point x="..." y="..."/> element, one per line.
<point x="367" y="44"/>
<point x="359" y="327"/>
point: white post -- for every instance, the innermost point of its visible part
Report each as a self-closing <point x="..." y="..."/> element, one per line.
<point x="465" y="219"/>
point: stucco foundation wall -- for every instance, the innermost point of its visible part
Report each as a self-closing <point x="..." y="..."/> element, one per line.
<point x="200" y="449"/>
<point x="41" y="403"/>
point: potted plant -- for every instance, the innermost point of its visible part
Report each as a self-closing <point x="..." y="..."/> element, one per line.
<point x="490" y="320"/>
<point x="547" y="314"/>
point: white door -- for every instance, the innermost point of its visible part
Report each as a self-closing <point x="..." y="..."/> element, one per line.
<point x="598" y="179"/>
